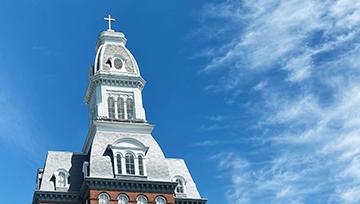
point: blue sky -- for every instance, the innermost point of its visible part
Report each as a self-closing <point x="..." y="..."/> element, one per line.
<point x="259" y="97"/>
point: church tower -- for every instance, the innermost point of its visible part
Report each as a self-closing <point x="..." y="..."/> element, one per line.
<point x="121" y="162"/>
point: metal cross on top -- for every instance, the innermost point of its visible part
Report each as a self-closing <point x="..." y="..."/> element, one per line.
<point x="109" y="19"/>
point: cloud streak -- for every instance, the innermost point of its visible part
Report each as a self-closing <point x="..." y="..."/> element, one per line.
<point x="18" y="131"/>
<point x="301" y="58"/>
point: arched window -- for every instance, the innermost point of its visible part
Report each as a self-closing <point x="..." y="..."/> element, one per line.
<point x="123" y="199"/>
<point x="129" y="163"/>
<point x="120" y="108"/>
<point x="118" y="163"/>
<point x="104" y="198"/>
<point x="141" y="165"/>
<point x="111" y="107"/>
<point x="130" y="108"/>
<point x="98" y="59"/>
<point x="180" y="187"/>
<point x="62" y="179"/>
<point x="141" y="200"/>
<point x="160" y="200"/>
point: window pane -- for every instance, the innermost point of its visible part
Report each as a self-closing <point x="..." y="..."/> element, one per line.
<point x="141" y="200"/>
<point x="130" y="108"/>
<point x="123" y="199"/>
<point x="121" y="111"/>
<point x="104" y="198"/>
<point x="180" y="186"/>
<point x="160" y="200"/>
<point x="118" y="162"/>
<point x="129" y="162"/>
<point x="111" y="107"/>
<point x="62" y="179"/>
<point x="141" y="165"/>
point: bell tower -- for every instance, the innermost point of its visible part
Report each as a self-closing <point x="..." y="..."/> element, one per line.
<point x="121" y="162"/>
<point x="115" y="83"/>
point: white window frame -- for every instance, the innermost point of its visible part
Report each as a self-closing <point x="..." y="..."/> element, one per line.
<point x="134" y="161"/>
<point x="183" y="180"/>
<point x="57" y="179"/>
<point x="141" y="196"/>
<point x="160" y="198"/>
<point x="136" y="149"/>
<point x="108" y="198"/>
<point x="125" y="96"/>
<point x="123" y="195"/>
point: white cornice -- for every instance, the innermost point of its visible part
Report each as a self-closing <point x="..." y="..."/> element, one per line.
<point x="124" y="127"/>
<point x="114" y="80"/>
<point x="112" y="126"/>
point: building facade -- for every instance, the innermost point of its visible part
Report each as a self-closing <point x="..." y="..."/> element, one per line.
<point x="121" y="162"/>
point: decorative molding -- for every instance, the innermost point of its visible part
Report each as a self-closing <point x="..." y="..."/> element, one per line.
<point x="113" y="80"/>
<point x="127" y="127"/>
<point x="127" y="185"/>
<point x="56" y="197"/>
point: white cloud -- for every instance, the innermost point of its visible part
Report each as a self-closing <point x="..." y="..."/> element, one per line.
<point x="305" y="53"/>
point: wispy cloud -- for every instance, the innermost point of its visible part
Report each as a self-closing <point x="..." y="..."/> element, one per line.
<point x="18" y="130"/>
<point x="301" y="57"/>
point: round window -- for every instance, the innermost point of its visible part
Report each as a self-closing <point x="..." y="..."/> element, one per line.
<point x="118" y="63"/>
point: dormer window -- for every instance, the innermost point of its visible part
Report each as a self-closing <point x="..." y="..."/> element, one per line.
<point x="180" y="186"/>
<point x="129" y="157"/>
<point x="180" y="190"/>
<point x="61" y="179"/>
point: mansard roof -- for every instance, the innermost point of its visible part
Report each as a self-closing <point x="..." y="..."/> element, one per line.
<point x="159" y="168"/>
<point x="178" y="168"/>
<point x="70" y="161"/>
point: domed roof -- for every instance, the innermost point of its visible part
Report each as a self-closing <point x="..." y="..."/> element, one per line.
<point x="113" y="57"/>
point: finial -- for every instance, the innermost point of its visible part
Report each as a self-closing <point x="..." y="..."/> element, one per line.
<point x="109" y="19"/>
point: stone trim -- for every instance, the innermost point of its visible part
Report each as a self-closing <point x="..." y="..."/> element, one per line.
<point x="190" y="201"/>
<point x="113" y="80"/>
<point x="56" y="197"/>
<point x="128" y="185"/>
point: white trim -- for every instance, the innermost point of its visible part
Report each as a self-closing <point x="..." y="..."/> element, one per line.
<point x="123" y="195"/>
<point x="57" y="178"/>
<point x="132" y="146"/>
<point x="141" y="196"/>
<point x="161" y="198"/>
<point x="107" y="195"/>
<point x="184" y="182"/>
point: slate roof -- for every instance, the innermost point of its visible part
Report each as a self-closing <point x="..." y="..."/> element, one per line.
<point x="177" y="167"/>
<point x="158" y="167"/>
<point x="70" y="161"/>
